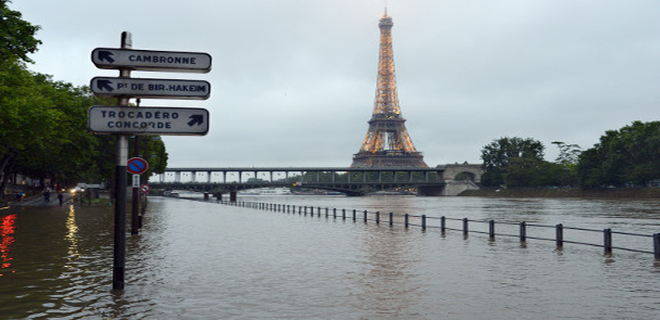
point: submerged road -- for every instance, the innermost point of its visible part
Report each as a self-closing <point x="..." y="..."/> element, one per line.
<point x="40" y="201"/>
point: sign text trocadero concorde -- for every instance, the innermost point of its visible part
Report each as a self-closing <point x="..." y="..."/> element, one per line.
<point x="151" y="88"/>
<point x="172" y="61"/>
<point x="148" y="120"/>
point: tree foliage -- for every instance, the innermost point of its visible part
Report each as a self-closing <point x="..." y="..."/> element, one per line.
<point x="510" y="161"/>
<point x="629" y="156"/>
<point x="43" y="123"/>
<point x="17" y="36"/>
<point x="43" y="131"/>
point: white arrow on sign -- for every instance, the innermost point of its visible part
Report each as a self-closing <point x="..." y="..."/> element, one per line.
<point x="173" y="61"/>
<point x="151" y="88"/>
<point x="148" y="120"/>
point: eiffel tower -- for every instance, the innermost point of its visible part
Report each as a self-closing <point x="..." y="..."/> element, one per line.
<point x="387" y="143"/>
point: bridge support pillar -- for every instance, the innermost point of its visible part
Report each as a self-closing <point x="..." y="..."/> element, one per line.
<point x="430" y="191"/>
<point x="206" y="196"/>
<point x="232" y="196"/>
<point x="218" y="196"/>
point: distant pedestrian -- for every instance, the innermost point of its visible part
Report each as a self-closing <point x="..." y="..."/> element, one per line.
<point x="60" y="197"/>
<point x="19" y="196"/>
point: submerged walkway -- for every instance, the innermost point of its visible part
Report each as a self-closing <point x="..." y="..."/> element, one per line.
<point x="40" y="201"/>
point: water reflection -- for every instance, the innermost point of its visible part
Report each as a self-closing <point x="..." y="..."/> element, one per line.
<point x="72" y="234"/>
<point x="7" y="229"/>
<point x="388" y="281"/>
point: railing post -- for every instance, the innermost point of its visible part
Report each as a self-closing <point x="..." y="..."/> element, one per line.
<point x="560" y="235"/>
<point x="377" y="217"/>
<point x="326" y="212"/>
<point x="443" y="225"/>
<point x="405" y="220"/>
<point x="334" y="213"/>
<point x="319" y="212"/>
<point x="423" y="222"/>
<point x="391" y="219"/>
<point x="656" y="246"/>
<point x="465" y="226"/>
<point x="607" y="240"/>
<point x="523" y="231"/>
<point x="354" y="213"/>
<point x="365" y="216"/>
<point x="491" y="230"/>
<point x="343" y="214"/>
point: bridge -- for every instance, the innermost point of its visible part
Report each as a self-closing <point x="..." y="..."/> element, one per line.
<point x="440" y="180"/>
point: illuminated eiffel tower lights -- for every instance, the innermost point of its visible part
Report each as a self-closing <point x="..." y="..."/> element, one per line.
<point x="387" y="142"/>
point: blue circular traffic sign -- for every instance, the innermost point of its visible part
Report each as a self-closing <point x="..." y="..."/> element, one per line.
<point x="136" y="165"/>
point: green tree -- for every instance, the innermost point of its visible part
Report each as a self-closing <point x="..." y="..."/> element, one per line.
<point x="17" y="35"/>
<point x="510" y="157"/>
<point x="567" y="160"/>
<point x="43" y="128"/>
<point x="27" y="119"/>
<point x="629" y="156"/>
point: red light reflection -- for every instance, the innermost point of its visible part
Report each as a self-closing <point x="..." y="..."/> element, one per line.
<point x="7" y="228"/>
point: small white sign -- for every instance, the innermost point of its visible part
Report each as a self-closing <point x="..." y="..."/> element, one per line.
<point x="136" y="181"/>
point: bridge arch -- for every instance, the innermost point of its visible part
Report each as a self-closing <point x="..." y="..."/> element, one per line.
<point x="465" y="171"/>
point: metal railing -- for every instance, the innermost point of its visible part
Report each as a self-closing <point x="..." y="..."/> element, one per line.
<point x="445" y="224"/>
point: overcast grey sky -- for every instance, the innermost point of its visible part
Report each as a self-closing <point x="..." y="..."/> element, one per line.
<point x="293" y="81"/>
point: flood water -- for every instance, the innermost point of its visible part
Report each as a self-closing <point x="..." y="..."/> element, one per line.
<point x="205" y="260"/>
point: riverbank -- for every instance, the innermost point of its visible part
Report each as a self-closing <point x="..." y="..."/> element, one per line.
<point x="619" y="193"/>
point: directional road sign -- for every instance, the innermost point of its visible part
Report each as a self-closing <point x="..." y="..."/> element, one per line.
<point x="148" y="120"/>
<point x="172" y="61"/>
<point x="136" y="165"/>
<point x="151" y="88"/>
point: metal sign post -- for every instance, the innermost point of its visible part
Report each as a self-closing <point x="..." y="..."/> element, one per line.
<point x="136" y="166"/>
<point x="124" y="120"/>
<point x="119" y="260"/>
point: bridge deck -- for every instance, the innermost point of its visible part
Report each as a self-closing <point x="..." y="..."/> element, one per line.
<point x="345" y="179"/>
